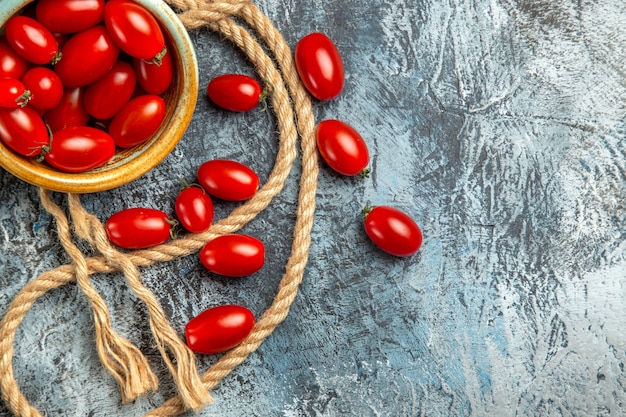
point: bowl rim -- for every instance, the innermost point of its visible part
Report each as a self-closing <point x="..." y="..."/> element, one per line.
<point x="138" y="161"/>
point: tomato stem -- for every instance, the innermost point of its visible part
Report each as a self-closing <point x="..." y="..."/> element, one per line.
<point x="268" y="90"/>
<point x="158" y="59"/>
<point x="23" y="100"/>
<point x="56" y="58"/>
<point x="365" y="173"/>
<point x="366" y="211"/>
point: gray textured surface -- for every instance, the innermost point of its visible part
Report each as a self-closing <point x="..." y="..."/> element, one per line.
<point x="499" y="125"/>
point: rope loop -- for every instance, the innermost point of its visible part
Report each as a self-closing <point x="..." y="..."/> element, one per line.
<point x="271" y="57"/>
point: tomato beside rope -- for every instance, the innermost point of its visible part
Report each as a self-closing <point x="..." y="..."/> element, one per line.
<point x="194" y="209"/>
<point x="139" y="228"/>
<point x="218" y="329"/>
<point x="342" y="147"/>
<point x="319" y="66"/>
<point x="228" y="179"/>
<point x="235" y="92"/>
<point x="233" y="255"/>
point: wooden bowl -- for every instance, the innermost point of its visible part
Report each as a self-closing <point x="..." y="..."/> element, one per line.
<point x="129" y="164"/>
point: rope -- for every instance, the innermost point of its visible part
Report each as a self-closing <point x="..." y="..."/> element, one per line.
<point x="123" y="360"/>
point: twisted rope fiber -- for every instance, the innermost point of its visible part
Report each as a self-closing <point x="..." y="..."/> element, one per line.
<point x="118" y="355"/>
<point x="186" y="245"/>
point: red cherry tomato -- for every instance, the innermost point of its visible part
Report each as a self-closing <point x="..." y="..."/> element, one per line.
<point x="342" y="147"/>
<point x="235" y="92"/>
<point x="108" y="95"/>
<point x="392" y="230"/>
<point x="87" y="56"/>
<point x="135" y="30"/>
<point x="11" y="63"/>
<point x="319" y="65"/>
<point x="79" y="149"/>
<point x="31" y="40"/>
<point x="219" y="329"/>
<point x="13" y="93"/>
<point x="45" y="87"/>
<point x="138" y="228"/>
<point x="194" y="209"/>
<point x="22" y="130"/>
<point x="233" y="255"/>
<point x="138" y="120"/>
<point x="154" y="79"/>
<point x="69" y="16"/>
<point x="228" y="180"/>
<point x="69" y="112"/>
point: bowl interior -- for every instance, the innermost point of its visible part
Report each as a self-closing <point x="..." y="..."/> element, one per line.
<point x="128" y="164"/>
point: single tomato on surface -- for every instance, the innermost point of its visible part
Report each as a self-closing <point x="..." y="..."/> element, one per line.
<point x="228" y="180"/>
<point x="69" y="16"/>
<point x="319" y="66"/>
<point x="235" y="92"/>
<point x="79" y="149"/>
<point x="138" y="120"/>
<point x="45" y="87"/>
<point x="233" y="255"/>
<point x="135" y="30"/>
<point x="87" y="56"/>
<point x="194" y="209"/>
<point x="342" y="147"/>
<point x="23" y="130"/>
<point x="32" y="40"/>
<point x="219" y="329"/>
<point x="139" y="228"/>
<point x="392" y="230"/>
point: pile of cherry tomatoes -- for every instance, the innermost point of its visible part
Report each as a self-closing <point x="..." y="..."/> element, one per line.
<point x="81" y="79"/>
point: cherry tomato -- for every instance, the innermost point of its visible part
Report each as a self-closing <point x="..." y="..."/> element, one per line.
<point x="235" y="92"/>
<point x="45" y="87"/>
<point x="31" y="40"/>
<point x="11" y="63"/>
<point x="194" y="209"/>
<point x="392" y="230"/>
<point x="79" y="149"/>
<point x="108" y="95"/>
<point x="138" y="120"/>
<point x="69" y="112"/>
<point x="319" y="65"/>
<point x="342" y="147"/>
<point x="233" y="255"/>
<point x="228" y="180"/>
<point x="87" y="56"/>
<point x="22" y="130"/>
<point x="138" y="228"/>
<point x="69" y="16"/>
<point x="13" y="93"/>
<point x="154" y="79"/>
<point x="135" y="30"/>
<point x="219" y="329"/>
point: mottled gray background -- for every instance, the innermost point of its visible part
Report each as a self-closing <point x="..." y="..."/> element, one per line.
<point x="499" y="125"/>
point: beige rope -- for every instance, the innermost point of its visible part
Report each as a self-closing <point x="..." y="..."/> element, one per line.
<point x="216" y="16"/>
